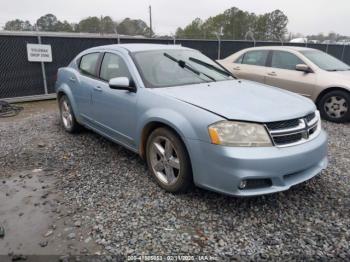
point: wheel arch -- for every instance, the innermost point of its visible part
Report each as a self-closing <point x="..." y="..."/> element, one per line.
<point x="65" y="90"/>
<point x="149" y="128"/>
<point x="327" y="90"/>
<point x="60" y="93"/>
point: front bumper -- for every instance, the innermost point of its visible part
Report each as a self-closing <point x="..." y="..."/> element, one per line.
<point x="222" y="169"/>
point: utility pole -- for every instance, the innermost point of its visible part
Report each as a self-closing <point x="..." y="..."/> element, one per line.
<point x="150" y="21"/>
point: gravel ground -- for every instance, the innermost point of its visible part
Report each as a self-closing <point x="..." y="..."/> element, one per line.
<point x="107" y="190"/>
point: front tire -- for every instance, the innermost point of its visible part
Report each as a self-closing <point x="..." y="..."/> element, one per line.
<point x="68" y="119"/>
<point x="334" y="106"/>
<point x="168" y="161"/>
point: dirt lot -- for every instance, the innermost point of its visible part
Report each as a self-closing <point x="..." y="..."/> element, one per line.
<point x="81" y="194"/>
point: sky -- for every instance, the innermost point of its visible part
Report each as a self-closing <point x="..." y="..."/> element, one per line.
<point x="305" y="16"/>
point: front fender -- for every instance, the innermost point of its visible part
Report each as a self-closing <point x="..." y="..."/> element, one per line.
<point x="168" y="117"/>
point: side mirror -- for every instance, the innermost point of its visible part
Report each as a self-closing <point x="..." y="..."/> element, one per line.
<point x="303" y="68"/>
<point x="121" y="83"/>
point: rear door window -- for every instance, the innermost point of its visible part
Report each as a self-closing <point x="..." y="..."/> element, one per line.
<point x="285" y="60"/>
<point x="88" y="64"/>
<point x="257" y="58"/>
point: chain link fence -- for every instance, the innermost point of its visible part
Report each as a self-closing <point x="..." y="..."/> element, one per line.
<point x="23" y="80"/>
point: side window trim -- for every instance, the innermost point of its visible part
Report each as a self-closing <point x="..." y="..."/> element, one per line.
<point x="290" y="53"/>
<point x="102" y="56"/>
<point x="240" y="58"/>
<point x="98" y="64"/>
<point x="269" y="59"/>
<point x="243" y="57"/>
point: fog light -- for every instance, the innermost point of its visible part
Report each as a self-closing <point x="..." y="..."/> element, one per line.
<point x="243" y="184"/>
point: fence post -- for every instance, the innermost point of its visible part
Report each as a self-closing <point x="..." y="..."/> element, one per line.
<point x="250" y="33"/>
<point x="342" y="54"/>
<point x="281" y="40"/>
<point x="42" y="64"/>
<point x="118" y="38"/>
<point x="219" y="45"/>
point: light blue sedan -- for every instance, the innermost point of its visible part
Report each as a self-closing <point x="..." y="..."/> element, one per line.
<point x="191" y="120"/>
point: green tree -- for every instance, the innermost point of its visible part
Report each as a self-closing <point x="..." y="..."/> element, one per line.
<point x="18" y="25"/>
<point x="90" y="25"/>
<point x="94" y="24"/>
<point x="133" y="27"/>
<point x="108" y="26"/>
<point x="277" y="25"/>
<point x="238" y="23"/>
<point x="47" y="23"/>
<point x="179" y="32"/>
<point x="261" y="27"/>
<point x="235" y="24"/>
<point x="193" y="30"/>
<point x="63" y="27"/>
<point x="103" y="25"/>
<point x="213" y="25"/>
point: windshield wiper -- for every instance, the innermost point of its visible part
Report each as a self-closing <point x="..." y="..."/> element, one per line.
<point x="183" y="64"/>
<point x="205" y="64"/>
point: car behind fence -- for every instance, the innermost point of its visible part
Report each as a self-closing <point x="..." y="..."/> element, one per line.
<point x="24" y="80"/>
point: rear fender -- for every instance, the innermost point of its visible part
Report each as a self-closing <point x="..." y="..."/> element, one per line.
<point x="64" y="89"/>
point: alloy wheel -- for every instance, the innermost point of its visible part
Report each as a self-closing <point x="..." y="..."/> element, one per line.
<point x="164" y="159"/>
<point x="66" y="114"/>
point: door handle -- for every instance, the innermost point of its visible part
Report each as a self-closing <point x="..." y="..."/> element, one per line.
<point x="237" y="68"/>
<point x="272" y="74"/>
<point x="72" y="79"/>
<point x="97" y="89"/>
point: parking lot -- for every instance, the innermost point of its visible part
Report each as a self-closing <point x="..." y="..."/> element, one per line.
<point x="81" y="194"/>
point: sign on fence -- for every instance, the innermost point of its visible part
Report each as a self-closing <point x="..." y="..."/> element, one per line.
<point x="39" y="53"/>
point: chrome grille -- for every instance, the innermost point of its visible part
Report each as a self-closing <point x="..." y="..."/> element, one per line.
<point x="311" y="116"/>
<point x="282" y="124"/>
<point x="287" y="139"/>
<point x="294" y="131"/>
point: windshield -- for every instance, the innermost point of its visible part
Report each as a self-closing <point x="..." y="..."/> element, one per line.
<point x="325" y="61"/>
<point x="164" y="68"/>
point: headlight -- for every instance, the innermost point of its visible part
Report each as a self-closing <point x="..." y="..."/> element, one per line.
<point x="230" y="133"/>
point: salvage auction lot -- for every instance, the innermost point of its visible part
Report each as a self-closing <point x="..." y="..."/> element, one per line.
<point x="90" y="196"/>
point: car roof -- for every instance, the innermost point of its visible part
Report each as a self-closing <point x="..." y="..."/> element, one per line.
<point x="290" y="48"/>
<point x="138" y="47"/>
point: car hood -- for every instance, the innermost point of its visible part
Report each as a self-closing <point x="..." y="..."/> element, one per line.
<point x="242" y="100"/>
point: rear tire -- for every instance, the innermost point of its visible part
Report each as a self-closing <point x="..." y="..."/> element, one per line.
<point x="168" y="161"/>
<point x="68" y="119"/>
<point x="334" y="106"/>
